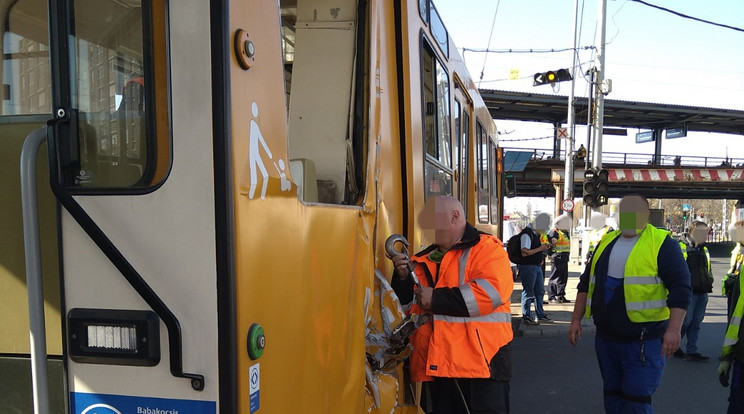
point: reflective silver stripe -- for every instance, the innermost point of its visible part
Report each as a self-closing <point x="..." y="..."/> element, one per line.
<point x="470" y="302"/>
<point x="462" y="262"/>
<point x="730" y="341"/>
<point x="499" y="317"/>
<point x="491" y="291"/>
<point x="735" y="320"/>
<point x="593" y="280"/>
<point x="649" y="304"/>
<point x="589" y="302"/>
<point x="469" y="297"/>
<point x="642" y="280"/>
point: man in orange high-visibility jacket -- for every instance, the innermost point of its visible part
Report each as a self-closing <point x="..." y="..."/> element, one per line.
<point x="462" y="356"/>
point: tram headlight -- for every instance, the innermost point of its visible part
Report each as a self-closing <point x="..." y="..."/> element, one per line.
<point x="116" y="337"/>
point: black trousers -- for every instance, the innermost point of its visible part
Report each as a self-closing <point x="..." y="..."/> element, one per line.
<point x="481" y="395"/>
<point x="558" y="280"/>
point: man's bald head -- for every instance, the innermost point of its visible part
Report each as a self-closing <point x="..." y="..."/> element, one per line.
<point x="443" y="221"/>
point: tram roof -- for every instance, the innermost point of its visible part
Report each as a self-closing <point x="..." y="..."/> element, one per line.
<point x="525" y="106"/>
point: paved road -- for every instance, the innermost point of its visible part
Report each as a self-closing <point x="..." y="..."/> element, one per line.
<point x="551" y="376"/>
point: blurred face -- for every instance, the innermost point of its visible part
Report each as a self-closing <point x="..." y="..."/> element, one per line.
<point x="436" y="220"/>
<point x="542" y="223"/>
<point x="633" y="215"/>
<point x="699" y="233"/>
<point x="736" y="233"/>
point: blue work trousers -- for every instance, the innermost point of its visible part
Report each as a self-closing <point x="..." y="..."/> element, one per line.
<point x="736" y="398"/>
<point x="693" y="320"/>
<point x="631" y="372"/>
<point x="533" y="288"/>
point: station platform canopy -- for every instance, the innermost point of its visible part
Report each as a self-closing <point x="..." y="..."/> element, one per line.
<point x="524" y="106"/>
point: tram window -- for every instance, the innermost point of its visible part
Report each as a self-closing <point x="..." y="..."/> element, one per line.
<point x="456" y="120"/>
<point x="465" y="166"/>
<point x="324" y="85"/>
<point x="423" y="11"/>
<point x="494" y="177"/>
<point x="438" y="30"/>
<point x="483" y="195"/>
<point x="25" y="68"/>
<point x="113" y="86"/>
<point x="437" y="135"/>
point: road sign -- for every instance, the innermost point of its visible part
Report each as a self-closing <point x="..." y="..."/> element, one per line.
<point x="685" y="207"/>
<point x="562" y="132"/>
<point x="567" y="205"/>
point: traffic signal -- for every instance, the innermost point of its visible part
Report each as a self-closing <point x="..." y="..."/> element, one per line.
<point x="596" y="187"/>
<point x="551" y="77"/>
<point x="684" y="216"/>
<point x="510" y="185"/>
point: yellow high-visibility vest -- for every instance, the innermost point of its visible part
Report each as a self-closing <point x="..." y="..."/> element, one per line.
<point x="563" y="245"/>
<point x="645" y="293"/>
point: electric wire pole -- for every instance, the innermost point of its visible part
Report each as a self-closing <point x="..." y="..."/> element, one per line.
<point x="568" y="175"/>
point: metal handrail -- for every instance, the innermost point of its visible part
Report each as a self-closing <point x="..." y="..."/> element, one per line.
<point x="34" y="278"/>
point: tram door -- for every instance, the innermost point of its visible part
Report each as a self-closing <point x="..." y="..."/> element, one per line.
<point x="25" y="107"/>
<point x="126" y="205"/>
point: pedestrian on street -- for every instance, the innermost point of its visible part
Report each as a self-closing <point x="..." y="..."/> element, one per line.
<point x="558" y="265"/>
<point x="466" y="286"/>
<point x="732" y="353"/>
<point x="697" y="256"/>
<point x="737" y="258"/>
<point x="531" y="271"/>
<point x="637" y="289"/>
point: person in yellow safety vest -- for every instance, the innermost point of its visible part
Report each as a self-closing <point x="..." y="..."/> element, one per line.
<point x="544" y="241"/>
<point x="558" y="265"/>
<point x="697" y="257"/>
<point x="463" y="356"/>
<point x="731" y="368"/>
<point x="637" y="289"/>
<point x="728" y="282"/>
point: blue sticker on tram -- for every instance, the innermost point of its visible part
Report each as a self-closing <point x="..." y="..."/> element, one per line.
<point x="84" y="403"/>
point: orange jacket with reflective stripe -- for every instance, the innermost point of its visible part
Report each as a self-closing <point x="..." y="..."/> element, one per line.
<point x="463" y="346"/>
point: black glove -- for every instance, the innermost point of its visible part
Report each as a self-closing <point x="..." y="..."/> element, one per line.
<point x="724" y="371"/>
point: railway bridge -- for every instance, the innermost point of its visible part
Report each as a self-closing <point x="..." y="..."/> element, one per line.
<point x="539" y="172"/>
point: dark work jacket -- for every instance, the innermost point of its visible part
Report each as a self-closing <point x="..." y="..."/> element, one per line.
<point x="612" y="320"/>
<point x="697" y="262"/>
<point x="537" y="258"/>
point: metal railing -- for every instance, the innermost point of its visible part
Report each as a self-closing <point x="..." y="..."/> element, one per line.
<point x="639" y="159"/>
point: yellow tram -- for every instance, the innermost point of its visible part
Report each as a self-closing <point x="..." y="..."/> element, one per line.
<point x="214" y="183"/>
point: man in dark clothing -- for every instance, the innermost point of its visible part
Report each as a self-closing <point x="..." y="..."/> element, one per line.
<point x="698" y="261"/>
<point x="637" y="288"/>
<point x="558" y="265"/>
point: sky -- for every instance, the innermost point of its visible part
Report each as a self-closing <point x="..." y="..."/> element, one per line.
<point x="651" y="56"/>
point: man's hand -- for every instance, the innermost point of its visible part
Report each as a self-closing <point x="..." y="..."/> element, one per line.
<point x="423" y="296"/>
<point x="401" y="265"/>
<point x="724" y="368"/>
<point x="672" y="336"/>
<point x="670" y="342"/>
<point x="574" y="332"/>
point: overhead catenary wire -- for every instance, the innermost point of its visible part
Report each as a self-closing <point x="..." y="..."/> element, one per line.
<point x="493" y="24"/>
<point x="566" y="49"/>
<point x="697" y="19"/>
